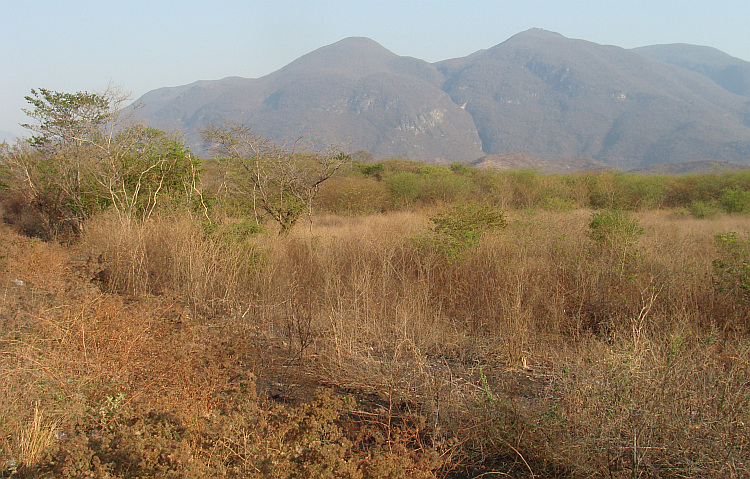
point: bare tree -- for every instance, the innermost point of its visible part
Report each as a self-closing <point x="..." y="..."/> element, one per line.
<point x="282" y="182"/>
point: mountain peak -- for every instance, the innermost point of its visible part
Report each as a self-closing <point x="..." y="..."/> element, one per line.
<point x="350" y="56"/>
<point x="535" y="35"/>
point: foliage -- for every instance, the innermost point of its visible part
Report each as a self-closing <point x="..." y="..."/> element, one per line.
<point x="67" y="119"/>
<point x="87" y="157"/>
<point x="425" y="184"/>
<point x="353" y="196"/>
<point x="616" y="236"/>
<point x="703" y="209"/>
<point x="459" y="228"/>
<point x="611" y="228"/>
<point x="735" y="200"/>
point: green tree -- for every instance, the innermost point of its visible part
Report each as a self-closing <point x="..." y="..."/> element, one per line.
<point x="87" y="155"/>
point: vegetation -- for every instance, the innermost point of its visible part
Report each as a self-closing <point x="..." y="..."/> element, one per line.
<point x="87" y="158"/>
<point x="504" y="324"/>
<point x="283" y="183"/>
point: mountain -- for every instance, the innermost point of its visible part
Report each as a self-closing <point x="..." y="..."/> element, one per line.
<point x="550" y="97"/>
<point x="538" y="93"/>
<point x="731" y="73"/>
<point x="354" y="93"/>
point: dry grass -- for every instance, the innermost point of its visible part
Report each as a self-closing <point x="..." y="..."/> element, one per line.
<point x="538" y="352"/>
<point x="35" y="438"/>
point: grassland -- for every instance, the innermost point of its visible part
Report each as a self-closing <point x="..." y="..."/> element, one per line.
<point x="358" y="346"/>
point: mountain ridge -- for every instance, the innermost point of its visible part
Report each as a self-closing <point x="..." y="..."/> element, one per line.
<point x="538" y="92"/>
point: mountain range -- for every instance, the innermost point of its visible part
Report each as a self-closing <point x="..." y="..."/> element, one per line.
<point x="537" y="94"/>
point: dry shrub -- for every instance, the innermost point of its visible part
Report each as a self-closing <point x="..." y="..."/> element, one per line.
<point x="34" y="439"/>
<point x="538" y="352"/>
<point x="353" y="196"/>
<point x="384" y="318"/>
<point x="675" y="406"/>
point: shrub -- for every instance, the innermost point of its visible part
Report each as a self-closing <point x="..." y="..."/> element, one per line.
<point x="353" y="196"/>
<point x="703" y="209"/>
<point x="616" y="236"/>
<point x="612" y="229"/>
<point x="459" y="228"/>
<point x="732" y="266"/>
<point x="404" y="187"/>
<point x="735" y="200"/>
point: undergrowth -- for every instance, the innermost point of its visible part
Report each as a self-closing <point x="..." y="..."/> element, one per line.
<point x="574" y="344"/>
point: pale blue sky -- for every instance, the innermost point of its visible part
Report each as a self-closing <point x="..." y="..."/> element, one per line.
<point x="70" y="45"/>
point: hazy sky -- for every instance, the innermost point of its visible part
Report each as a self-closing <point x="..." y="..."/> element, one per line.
<point x="70" y="45"/>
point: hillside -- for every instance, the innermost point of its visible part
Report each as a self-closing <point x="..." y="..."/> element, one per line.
<point x="521" y="161"/>
<point x="538" y="93"/>
<point x="731" y="73"/>
<point x="354" y="93"/>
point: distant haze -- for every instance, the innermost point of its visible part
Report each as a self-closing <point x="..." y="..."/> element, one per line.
<point x="7" y="136"/>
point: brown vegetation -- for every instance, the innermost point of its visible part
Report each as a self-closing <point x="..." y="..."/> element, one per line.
<point x="426" y="322"/>
<point x="166" y="348"/>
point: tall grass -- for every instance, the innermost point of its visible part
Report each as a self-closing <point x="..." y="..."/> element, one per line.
<point x="570" y="343"/>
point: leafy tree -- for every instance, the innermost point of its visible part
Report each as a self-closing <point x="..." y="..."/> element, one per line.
<point x="86" y="155"/>
<point x="68" y="119"/>
<point x="281" y="182"/>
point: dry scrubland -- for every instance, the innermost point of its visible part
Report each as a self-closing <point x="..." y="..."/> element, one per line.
<point x="347" y="349"/>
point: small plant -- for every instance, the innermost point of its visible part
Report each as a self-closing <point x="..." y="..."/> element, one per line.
<point x="732" y="266"/>
<point x="613" y="229"/>
<point x="702" y="209"/>
<point x="459" y="228"/>
<point x="109" y="411"/>
<point x="487" y="395"/>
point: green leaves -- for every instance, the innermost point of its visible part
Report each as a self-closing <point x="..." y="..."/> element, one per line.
<point x="65" y="118"/>
<point x="87" y="156"/>
<point x="732" y="266"/>
<point x="459" y="228"/>
<point x="610" y="228"/>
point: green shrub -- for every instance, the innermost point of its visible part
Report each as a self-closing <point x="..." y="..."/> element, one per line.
<point x="353" y="196"/>
<point x="457" y="229"/>
<point x="735" y="200"/>
<point x="703" y="209"/>
<point x="611" y="228"/>
<point x="404" y="187"/>
<point x="732" y="266"/>
<point x="616" y="239"/>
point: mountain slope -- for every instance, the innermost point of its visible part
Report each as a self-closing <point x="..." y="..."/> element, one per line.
<point x="549" y="96"/>
<point x="538" y="93"/>
<point x="354" y="93"/>
<point x="731" y="73"/>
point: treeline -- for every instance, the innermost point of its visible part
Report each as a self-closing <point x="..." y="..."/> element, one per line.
<point x="398" y="184"/>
